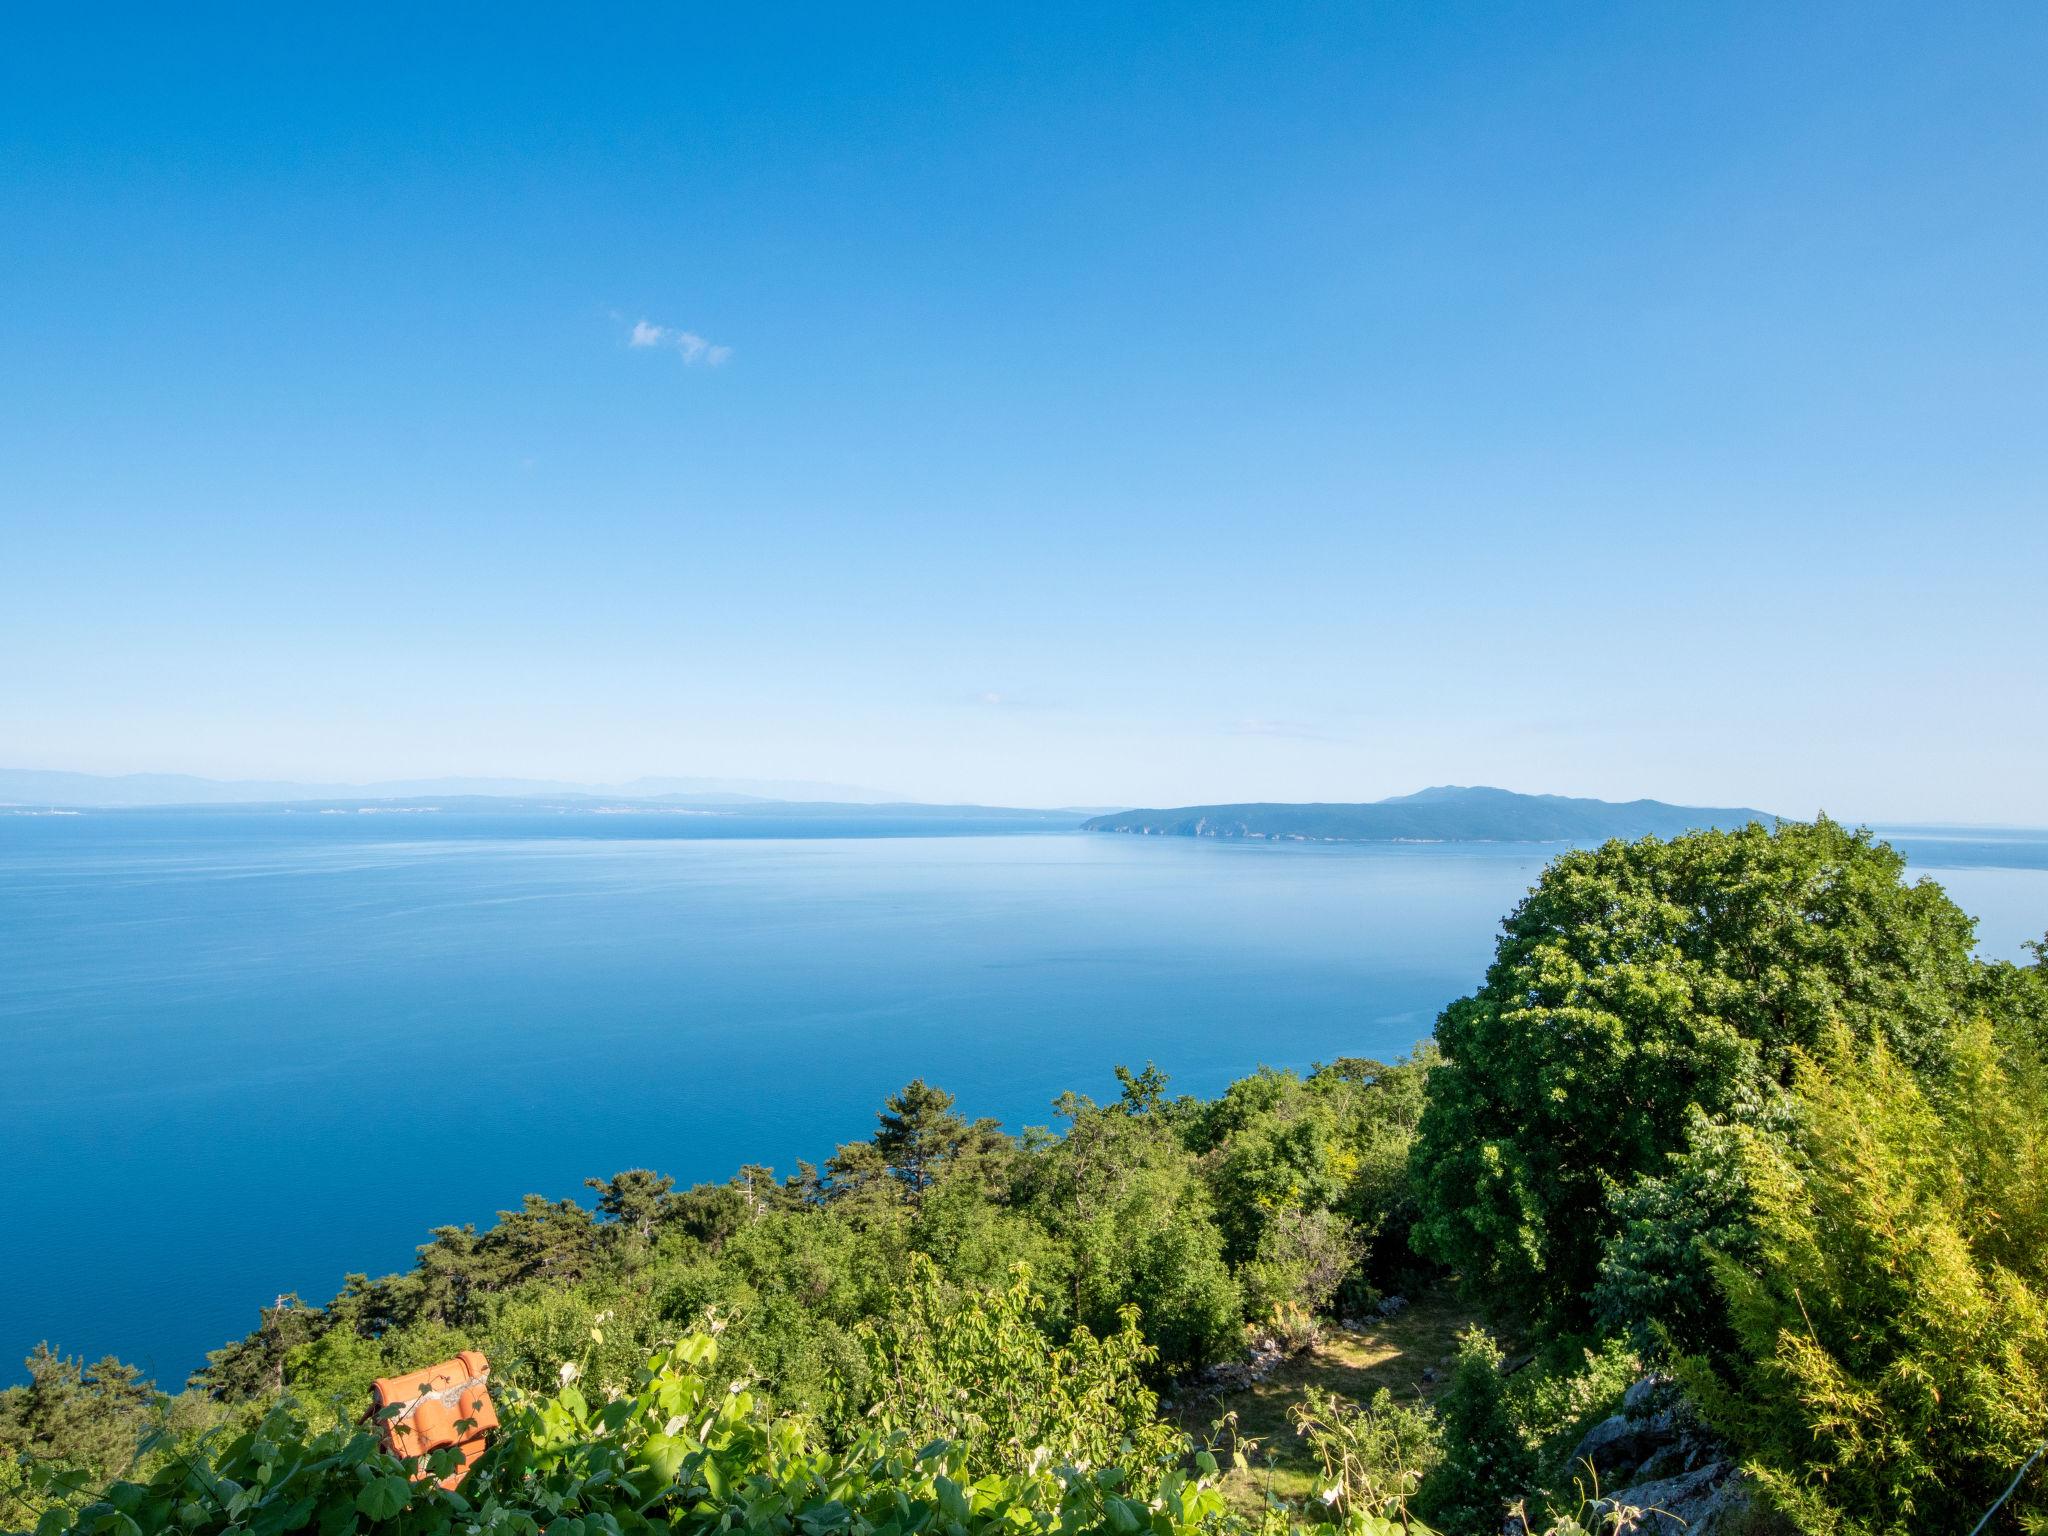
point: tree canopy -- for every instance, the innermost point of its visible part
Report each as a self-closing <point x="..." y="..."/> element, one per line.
<point x="1639" y="983"/>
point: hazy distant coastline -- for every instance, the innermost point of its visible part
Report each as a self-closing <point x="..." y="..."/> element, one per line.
<point x="1448" y="813"/>
<point x="31" y="786"/>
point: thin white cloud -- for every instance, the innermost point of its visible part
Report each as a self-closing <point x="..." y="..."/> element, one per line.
<point x="692" y="348"/>
<point x="1285" y="730"/>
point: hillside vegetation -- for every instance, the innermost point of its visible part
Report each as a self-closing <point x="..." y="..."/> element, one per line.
<point x="1735" y="1125"/>
<point x="1447" y="814"/>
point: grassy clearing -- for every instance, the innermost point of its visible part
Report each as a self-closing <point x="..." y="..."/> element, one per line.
<point x="1409" y="1354"/>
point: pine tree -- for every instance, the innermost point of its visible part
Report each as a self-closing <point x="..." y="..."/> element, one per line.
<point x="917" y="1133"/>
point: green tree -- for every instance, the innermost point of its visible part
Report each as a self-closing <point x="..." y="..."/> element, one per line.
<point x="1311" y="1173"/>
<point x="637" y="1199"/>
<point x="1128" y="1203"/>
<point x="917" y="1133"/>
<point x="1656" y="1282"/>
<point x="1143" y="1093"/>
<point x="81" y="1424"/>
<point x="2017" y="995"/>
<point x="252" y="1369"/>
<point x="1637" y="982"/>
<point x="860" y="1186"/>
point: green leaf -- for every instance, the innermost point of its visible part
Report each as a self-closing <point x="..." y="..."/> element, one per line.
<point x="337" y="1518"/>
<point x="382" y="1498"/>
<point x="952" y="1499"/>
<point x="663" y="1455"/>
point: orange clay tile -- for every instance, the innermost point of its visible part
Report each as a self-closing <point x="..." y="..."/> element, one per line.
<point x="445" y="1404"/>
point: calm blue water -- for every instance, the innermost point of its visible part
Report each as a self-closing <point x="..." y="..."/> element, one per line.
<point x="232" y="1046"/>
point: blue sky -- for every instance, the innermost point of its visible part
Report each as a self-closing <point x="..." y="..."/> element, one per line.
<point x="1137" y="404"/>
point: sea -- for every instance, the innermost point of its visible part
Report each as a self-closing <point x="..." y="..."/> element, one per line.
<point x="245" y="1053"/>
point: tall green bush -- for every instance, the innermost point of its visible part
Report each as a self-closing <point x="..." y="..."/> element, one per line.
<point x="1892" y="1371"/>
<point x="978" y="1371"/>
<point x="1636" y="983"/>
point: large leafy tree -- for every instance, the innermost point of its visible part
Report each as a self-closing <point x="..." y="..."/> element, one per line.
<point x="1640" y="983"/>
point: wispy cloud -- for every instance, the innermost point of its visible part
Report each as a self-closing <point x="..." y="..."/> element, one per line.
<point x="1003" y="699"/>
<point x="1286" y="730"/>
<point x="694" y="349"/>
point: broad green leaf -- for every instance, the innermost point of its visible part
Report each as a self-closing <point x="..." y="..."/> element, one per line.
<point x="383" y="1498"/>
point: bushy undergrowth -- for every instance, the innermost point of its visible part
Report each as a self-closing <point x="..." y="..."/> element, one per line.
<point x="1892" y="1363"/>
<point x="682" y="1450"/>
<point x="1059" y="1445"/>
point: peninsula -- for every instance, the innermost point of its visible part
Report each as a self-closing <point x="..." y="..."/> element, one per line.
<point x="1448" y="813"/>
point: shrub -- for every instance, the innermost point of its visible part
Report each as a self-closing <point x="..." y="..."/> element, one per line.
<point x="1373" y="1458"/>
<point x="1127" y="1201"/>
<point x="1508" y="1434"/>
<point x="1892" y="1371"/>
<point x="1303" y="1258"/>
<point x="1487" y="1461"/>
<point x="679" y="1452"/>
<point x="979" y="1372"/>
<point x="1656" y="1285"/>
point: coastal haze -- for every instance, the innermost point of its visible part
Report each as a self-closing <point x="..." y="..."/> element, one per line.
<point x="29" y="786"/>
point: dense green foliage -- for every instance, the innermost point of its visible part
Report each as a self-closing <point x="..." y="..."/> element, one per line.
<point x="1120" y="1212"/>
<point x="82" y="1422"/>
<point x="1893" y="1320"/>
<point x="92" y="1415"/>
<point x="1740" y="1105"/>
<point x="1508" y="1434"/>
<point x="1746" y="1097"/>
<point x="1061" y="1442"/>
<point x="680" y="1448"/>
<point x="1640" y="984"/>
<point x="1104" y="1236"/>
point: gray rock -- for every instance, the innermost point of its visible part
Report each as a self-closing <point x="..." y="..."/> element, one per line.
<point x="1617" y="1446"/>
<point x="1644" y="1395"/>
<point x="1694" y="1503"/>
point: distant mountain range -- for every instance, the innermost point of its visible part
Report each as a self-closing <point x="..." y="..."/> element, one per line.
<point x="23" y="786"/>
<point x="1449" y="813"/>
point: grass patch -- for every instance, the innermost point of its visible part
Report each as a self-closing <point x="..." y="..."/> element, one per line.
<point x="1410" y="1354"/>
